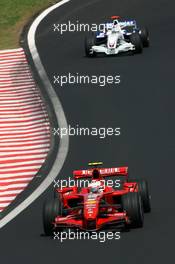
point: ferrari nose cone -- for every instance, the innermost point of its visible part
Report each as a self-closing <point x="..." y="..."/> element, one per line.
<point x="90" y="209"/>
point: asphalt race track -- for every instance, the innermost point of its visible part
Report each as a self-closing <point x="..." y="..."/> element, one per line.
<point x="142" y="105"/>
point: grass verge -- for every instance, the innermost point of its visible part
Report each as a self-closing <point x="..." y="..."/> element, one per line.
<point x="14" y="14"/>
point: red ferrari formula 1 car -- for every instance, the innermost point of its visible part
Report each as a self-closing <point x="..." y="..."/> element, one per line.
<point x="98" y="206"/>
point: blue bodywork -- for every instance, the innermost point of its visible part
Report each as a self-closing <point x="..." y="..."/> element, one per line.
<point x="128" y="27"/>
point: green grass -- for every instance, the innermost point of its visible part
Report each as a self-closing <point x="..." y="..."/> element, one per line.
<point x="14" y="14"/>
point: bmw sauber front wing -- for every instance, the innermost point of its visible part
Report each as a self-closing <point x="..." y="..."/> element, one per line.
<point x="112" y="51"/>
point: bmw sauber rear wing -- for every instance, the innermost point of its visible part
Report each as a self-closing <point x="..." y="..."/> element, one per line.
<point x="104" y="172"/>
<point x="128" y="23"/>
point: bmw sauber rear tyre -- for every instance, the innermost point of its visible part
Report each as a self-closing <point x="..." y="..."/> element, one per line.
<point x="144" y="192"/>
<point x="144" y="34"/>
<point x="132" y="204"/>
<point x="50" y="211"/>
<point x="89" y="42"/>
<point x="137" y="42"/>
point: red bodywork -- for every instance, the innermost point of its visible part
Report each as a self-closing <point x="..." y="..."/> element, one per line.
<point x="92" y="211"/>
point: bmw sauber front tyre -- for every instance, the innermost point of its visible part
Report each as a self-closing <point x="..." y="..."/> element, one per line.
<point x="137" y="42"/>
<point x="144" y="35"/>
<point x="90" y="41"/>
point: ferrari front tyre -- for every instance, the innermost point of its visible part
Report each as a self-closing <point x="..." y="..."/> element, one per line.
<point x="90" y="41"/>
<point x="132" y="204"/>
<point x="137" y="42"/>
<point x="144" y="35"/>
<point x="50" y="211"/>
<point x="144" y="192"/>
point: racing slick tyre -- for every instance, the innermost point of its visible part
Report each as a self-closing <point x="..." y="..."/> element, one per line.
<point x="144" y="35"/>
<point x="132" y="204"/>
<point x="137" y="42"/>
<point x="55" y="194"/>
<point x="51" y="209"/>
<point x="90" y="41"/>
<point x="144" y="192"/>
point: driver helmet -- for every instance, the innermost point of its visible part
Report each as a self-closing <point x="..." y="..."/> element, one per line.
<point x="115" y="26"/>
<point x="94" y="190"/>
<point x="95" y="174"/>
<point x="115" y="22"/>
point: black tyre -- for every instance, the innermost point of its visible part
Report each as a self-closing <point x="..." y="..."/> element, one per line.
<point x="132" y="204"/>
<point x="55" y="194"/>
<point x="144" y="192"/>
<point x="144" y="35"/>
<point x="90" y="41"/>
<point x="51" y="209"/>
<point x="137" y="42"/>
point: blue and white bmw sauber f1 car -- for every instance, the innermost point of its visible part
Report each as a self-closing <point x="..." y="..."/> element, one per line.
<point x="117" y="36"/>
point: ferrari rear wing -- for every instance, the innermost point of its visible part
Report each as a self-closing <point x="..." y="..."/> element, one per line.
<point x="104" y="172"/>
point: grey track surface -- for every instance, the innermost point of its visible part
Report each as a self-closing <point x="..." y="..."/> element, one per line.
<point x="143" y="106"/>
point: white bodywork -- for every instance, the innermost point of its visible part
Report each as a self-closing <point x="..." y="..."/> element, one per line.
<point x="115" y="42"/>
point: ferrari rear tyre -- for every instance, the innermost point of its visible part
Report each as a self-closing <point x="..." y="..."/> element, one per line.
<point x="132" y="204"/>
<point x="89" y="42"/>
<point x="51" y="209"/>
<point x="144" y="34"/>
<point x="55" y="194"/>
<point x="144" y="192"/>
<point x="137" y="42"/>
